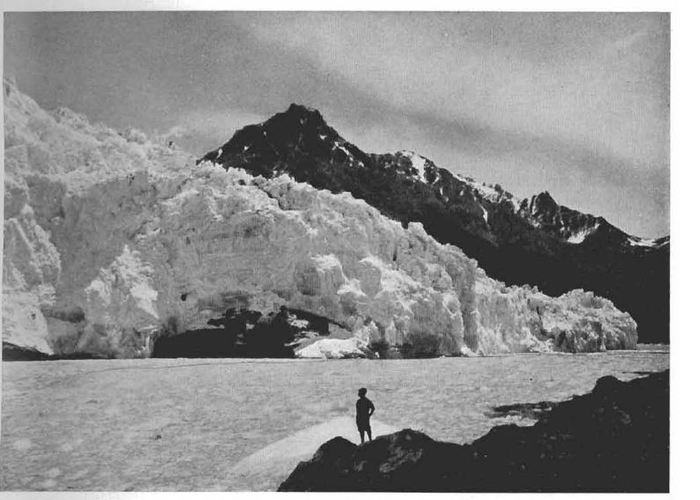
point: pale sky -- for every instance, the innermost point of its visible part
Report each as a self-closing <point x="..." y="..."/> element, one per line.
<point x="576" y="104"/>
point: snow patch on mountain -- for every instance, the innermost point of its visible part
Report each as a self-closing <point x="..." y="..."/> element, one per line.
<point x="418" y="162"/>
<point x="425" y="171"/>
<point x="486" y="191"/>
<point x="642" y="242"/>
<point x="485" y="214"/>
<point x="490" y="193"/>
<point x="580" y="236"/>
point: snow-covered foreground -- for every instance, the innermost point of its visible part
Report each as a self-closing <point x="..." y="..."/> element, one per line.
<point x="185" y="424"/>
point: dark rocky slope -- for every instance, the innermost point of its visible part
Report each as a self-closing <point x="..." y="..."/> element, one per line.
<point x="533" y="241"/>
<point x="615" y="439"/>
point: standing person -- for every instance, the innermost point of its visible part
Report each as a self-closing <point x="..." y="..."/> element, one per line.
<point x="365" y="409"/>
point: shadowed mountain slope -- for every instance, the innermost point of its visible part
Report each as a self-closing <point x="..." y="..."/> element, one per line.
<point x="534" y="240"/>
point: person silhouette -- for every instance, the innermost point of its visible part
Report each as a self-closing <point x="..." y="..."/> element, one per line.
<point x="365" y="409"/>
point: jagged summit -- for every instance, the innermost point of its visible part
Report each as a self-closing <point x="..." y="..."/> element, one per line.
<point x="291" y="136"/>
<point x="544" y="202"/>
<point x="298" y="119"/>
<point x="533" y="240"/>
<point x="302" y="111"/>
<point x="299" y="141"/>
<point x="572" y="226"/>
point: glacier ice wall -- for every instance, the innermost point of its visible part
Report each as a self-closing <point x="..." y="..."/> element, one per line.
<point x="112" y="240"/>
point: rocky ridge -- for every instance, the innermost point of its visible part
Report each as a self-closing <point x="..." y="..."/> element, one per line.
<point x="119" y="246"/>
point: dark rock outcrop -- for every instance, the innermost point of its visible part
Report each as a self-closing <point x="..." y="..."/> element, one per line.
<point x="533" y="241"/>
<point x="614" y="439"/>
<point x="404" y="461"/>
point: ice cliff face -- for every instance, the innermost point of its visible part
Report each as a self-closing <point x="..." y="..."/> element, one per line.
<point x="113" y="243"/>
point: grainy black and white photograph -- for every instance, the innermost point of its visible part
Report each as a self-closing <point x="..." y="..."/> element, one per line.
<point x="336" y="251"/>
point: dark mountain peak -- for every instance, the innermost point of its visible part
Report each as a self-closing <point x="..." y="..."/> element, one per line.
<point x="298" y="118"/>
<point x="275" y="139"/>
<point x="298" y="122"/>
<point x="545" y="211"/>
<point x="295" y="109"/>
<point x="544" y="201"/>
<point x="534" y="240"/>
<point x="570" y="225"/>
<point x="296" y="138"/>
